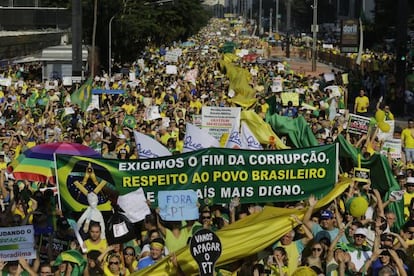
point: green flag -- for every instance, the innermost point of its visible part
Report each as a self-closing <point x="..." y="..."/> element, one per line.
<point x="381" y="175"/>
<point x="83" y="96"/>
<point x="75" y="259"/>
<point x="129" y="121"/>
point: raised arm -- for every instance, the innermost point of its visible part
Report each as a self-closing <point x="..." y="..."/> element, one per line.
<point x="307" y="217"/>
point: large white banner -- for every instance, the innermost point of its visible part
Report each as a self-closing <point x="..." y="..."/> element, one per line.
<point x="196" y="138"/>
<point x="220" y="120"/>
<point x="248" y="140"/>
<point x="149" y="147"/>
<point x="17" y="242"/>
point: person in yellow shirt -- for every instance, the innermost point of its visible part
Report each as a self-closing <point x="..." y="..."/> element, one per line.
<point x="407" y="141"/>
<point x="3" y="164"/>
<point x="95" y="242"/>
<point x="264" y="105"/>
<point x="196" y="104"/>
<point x="361" y="104"/>
<point x="408" y="196"/>
<point x="163" y="136"/>
<point x="128" y="107"/>
<point x="381" y="106"/>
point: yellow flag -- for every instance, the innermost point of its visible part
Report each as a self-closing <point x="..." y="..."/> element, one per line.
<point x="257" y="232"/>
<point x="260" y="129"/>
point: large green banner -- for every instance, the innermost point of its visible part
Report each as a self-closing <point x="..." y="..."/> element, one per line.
<point x="216" y="174"/>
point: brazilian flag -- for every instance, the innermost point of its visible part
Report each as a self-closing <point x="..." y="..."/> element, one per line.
<point x="129" y="121"/>
<point x="75" y="259"/>
<point x="31" y="101"/>
<point x="83" y="96"/>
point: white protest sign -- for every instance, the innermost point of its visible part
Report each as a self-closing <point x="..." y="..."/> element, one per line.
<point x="131" y="76"/>
<point x="393" y="146"/>
<point x="171" y="69"/>
<point x="67" y="81"/>
<point x="17" y="242"/>
<point x="329" y="77"/>
<point x="94" y="103"/>
<point x="220" y="120"/>
<point x="5" y="82"/>
<point x="134" y="205"/>
<point x="173" y="55"/>
<point x="277" y="84"/>
<point x="152" y="113"/>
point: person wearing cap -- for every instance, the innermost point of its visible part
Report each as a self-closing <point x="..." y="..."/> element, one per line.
<point x="360" y="252"/>
<point x="156" y="249"/>
<point x="122" y="144"/>
<point x="408" y="196"/>
<point x="327" y="221"/>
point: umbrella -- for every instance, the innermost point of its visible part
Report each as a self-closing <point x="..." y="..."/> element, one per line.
<point x="37" y="163"/>
<point x="46" y="151"/>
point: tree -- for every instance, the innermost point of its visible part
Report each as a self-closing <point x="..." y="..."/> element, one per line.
<point x="138" y="23"/>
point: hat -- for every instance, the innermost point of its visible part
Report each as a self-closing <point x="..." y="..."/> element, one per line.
<point x="410" y="180"/>
<point x="401" y="174"/>
<point x="327" y="214"/>
<point x="361" y="231"/>
<point x="122" y="136"/>
<point x="321" y="235"/>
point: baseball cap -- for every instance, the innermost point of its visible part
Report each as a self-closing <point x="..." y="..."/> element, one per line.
<point x="322" y="235"/>
<point x="327" y="214"/>
<point x="410" y="181"/>
<point x="361" y="231"/>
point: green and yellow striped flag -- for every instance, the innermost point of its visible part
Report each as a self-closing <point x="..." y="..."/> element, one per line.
<point x="83" y="96"/>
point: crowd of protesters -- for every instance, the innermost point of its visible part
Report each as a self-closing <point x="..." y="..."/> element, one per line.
<point x="329" y="242"/>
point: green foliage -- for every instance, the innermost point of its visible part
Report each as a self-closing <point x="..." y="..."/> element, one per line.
<point x="138" y="23"/>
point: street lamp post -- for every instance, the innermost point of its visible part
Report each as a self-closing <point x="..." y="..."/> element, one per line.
<point x="110" y="46"/>
<point x="277" y="17"/>
<point x="260" y="17"/>
<point x="314" y="31"/>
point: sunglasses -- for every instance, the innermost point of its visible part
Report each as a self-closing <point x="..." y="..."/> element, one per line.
<point x="115" y="263"/>
<point x="204" y="217"/>
<point x="317" y="249"/>
<point x="129" y="253"/>
<point x="359" y="236"/>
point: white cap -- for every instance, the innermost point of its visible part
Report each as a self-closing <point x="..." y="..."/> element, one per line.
<point x="410" y="179"/>
<point x="361" y="231"/>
